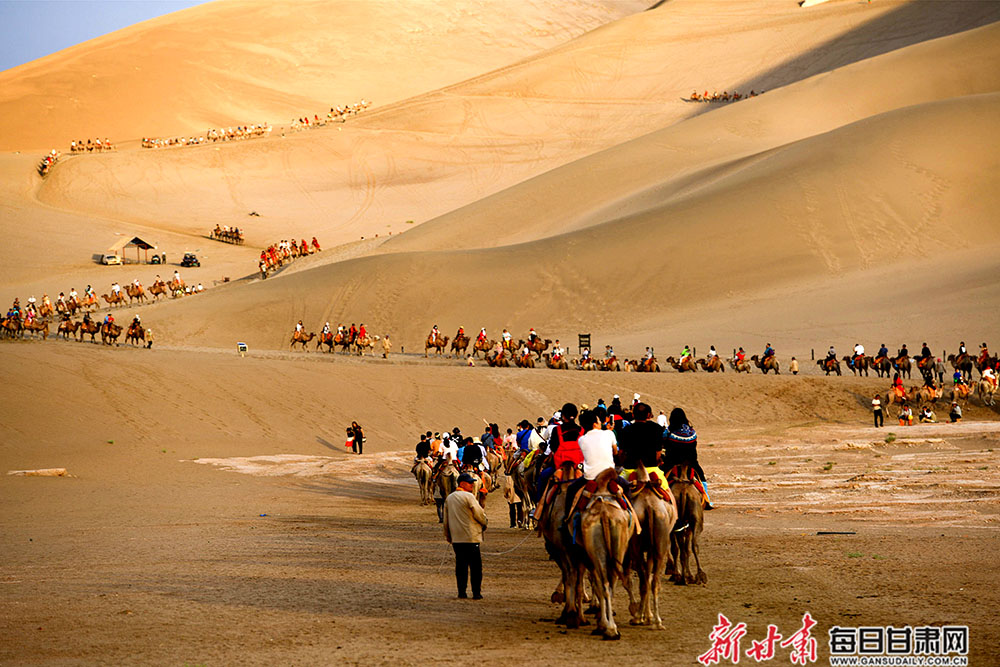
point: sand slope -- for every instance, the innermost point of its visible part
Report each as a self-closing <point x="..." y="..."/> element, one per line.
<point x="226" y="63"/>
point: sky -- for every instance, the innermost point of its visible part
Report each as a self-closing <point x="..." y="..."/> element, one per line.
<point x="30" y="29"/>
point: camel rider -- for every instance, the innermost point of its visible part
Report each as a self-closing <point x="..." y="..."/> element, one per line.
<point x="769" y="351"/>
<point x="532" y="336"/>
<point x="497" y="350"/>
<point x="883" y="351"/>
<point x="741" y="356"/>
<point x="506" y="338"/>
<point x="435" y="332"/>
<point x="685" y="353"/>
<point x="585" y="354"/>
<point x="925" y="352"/>
<point x="557" y="351"/>
<point x="86" y="317"/>
<point x="598" y="448"/>
<point x="109" y="319"/>
<point x="352" y="333"/>
<point x="961" y="349"/>
<point x="902" y="352"/>
<point x="712" y="352"/>
<point x="524" y="352"/>
<point x="831" y="355"/>
<point x="29" y="313"/>
<point x="298" y="327"/>
<point x="649" y="354"/>
<point x="990" y="375"/>
<point x="136" y="322"/>
<point x="680" y="450"/>
<point x="31" y="305"/>
<point x="897" y="386"/>
<point x="136" y="283"/>
<point x="326" y="330"/>
<point x="481" y="338"/>
<point x="859" y="351"/>
<point x="73" y="295"/>
<point x="608" y="352"/>
<point x="116" y="289"/>
<point x="564" y="443"/>
<point x="362" y="332"/>
<point x="61" y="301"/>
<point x="984" y="354"/>
<point x="177" y="277"/>
<point x="958" y="378"/>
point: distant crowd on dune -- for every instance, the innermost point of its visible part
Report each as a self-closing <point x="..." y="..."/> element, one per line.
<point x="724" y="96"/>
<point x="278" y="254"/>
<point x="91" y="146"/>
<point x="211" y="136"/>
<point x="48" y="162"/>
<point x="337" y="114"/>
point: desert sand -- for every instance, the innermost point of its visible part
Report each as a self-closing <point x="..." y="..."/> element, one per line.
<point x="530" y="164"/>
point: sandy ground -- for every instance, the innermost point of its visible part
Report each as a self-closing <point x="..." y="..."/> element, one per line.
<point x="144" y="556"/>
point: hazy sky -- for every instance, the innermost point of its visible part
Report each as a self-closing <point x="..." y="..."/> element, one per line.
<point x="30" y="29"/>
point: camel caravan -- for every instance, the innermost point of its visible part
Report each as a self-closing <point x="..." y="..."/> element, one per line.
<point x="92" y="146"/>
<point x="277" y="255"/>
<point x="337" y="114"/>
<point x="211" y="136"/>
<point x="227" y="234"/>
<point x="724" y="96"/>
<point x="37" y="321"/>
<point x="46" y="164"/>
<point x="347" y="339"/>
<point x="618" y="498"/>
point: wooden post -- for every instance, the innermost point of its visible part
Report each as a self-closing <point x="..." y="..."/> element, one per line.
<point x="812" y="354"/>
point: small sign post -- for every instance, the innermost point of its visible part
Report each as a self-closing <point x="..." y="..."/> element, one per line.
<point x="242" y="349"/>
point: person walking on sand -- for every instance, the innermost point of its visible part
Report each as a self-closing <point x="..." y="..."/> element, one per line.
<point x="464" y="524"/>
<point x="358" y="445"/>
<point x="877" y="411"/>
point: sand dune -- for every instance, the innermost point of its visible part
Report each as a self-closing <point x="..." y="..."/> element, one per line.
<point x="247" y="62"/>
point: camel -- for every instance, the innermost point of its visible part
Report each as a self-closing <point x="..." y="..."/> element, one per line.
<point x="557" y="365"/>
<point x="605" y="532"/>
<point x="90" y="304"/>
<point x="524" y="361"/>
<point x="982" y="364"/>
<point x="366" y="343"/>
<point x="135" y="333"/>
<point x="902" y="365"/>
<point x="67" y="328"/>
<point x="325" y="339"/>
<point x="158" y="289"/>
<point x="880" y="365"/>
<point x="46" y="310"/>
<point x="114" y="299"/>
<point x="498" y="360"/>
<point x="446" y="483"/>
<point x="343" y="341"/>
<point x="585" y="364"/>
<point x="650" y="546"/>
<point x="439" y="345"/>
<point x="36" y="326"/>
<point x="460" y="345"/>
<point x="110" y="332"/>
<point x="495" y="466"/>
<point x="859" y="365"/>
<point x="610" y="365"/>
<point x="986" y="392"/>
<point x="301" y="338"/>
<point x="962" y="392"/>
<point x="926" y="367"/>
<point x="12" y="327"/>
<point x="70" y="307"/>
<point x="568" y="556"/>
<point x="769" y="363"/>
<point x="88" y="327"/>
<point x="740" y="366"/>
<point x="537" y="346"/>
<point x="684" y="538"/>
<point x="647" y="366"/>
<point x="926" y="394"/>
<point x="712" y="364"/>
<point x="962" y="362"/>
<point x="519" y="478"/>
<point x="829" y="365"/>
<point x="422" y="472"/>
<point x="136" y="293"/>
<point x="687" y="365"/>
<point x="483" y="346"/>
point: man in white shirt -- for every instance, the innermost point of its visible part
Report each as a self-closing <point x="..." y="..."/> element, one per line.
<point x="598" y="449"/>
<point x="464" y="523"/>
<point x="661" y="419"/>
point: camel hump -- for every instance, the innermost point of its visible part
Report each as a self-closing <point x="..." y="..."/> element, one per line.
<point x="641" y="474"/>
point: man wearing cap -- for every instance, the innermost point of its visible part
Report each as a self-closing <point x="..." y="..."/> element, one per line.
<point x="464" y="523"/>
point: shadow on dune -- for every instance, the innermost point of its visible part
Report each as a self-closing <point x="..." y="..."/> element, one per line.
<point x="909" y="24"/>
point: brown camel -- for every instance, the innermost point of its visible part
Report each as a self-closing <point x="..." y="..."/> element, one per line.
<point x="446" y="482"/>
<point x="768" y="364"/>
<point x="135" y="334"/>
<point x="524" y="361"/>
<point x="366" y="343"/>
<point x="136" y="293"/>
<point x="422" y="472"/>
<point x="114" y="299"/>
<point x="684" y="538"/>
<point x="610" y="364"/>
<point x="438" y="345"/>
<point x="12" y="327"/>
<point x="460" y="345"/>
<point x="483" y="346"/>
<point x="325" y="339"/>
<point x="983" y="363"/>
<point x="301" y="338"/>
<point x="46" y="310"/>
<point x="859" y="365"/>
<point x="903" y="366"/>
<point x="110" y="332"/>
<point x="986" y="392"/>
<point x="881" y="365"/>
<point x="537" y="346"/>
<point x="829" y="366"/>
<point x="926" y="394"/>
<point x="961" y="392"/>
<point x="158" y="289"/>
<point x="560" y="365"/>
<point x="647" y="366"/>
<point x="67" y="328"/>
<point x="36" y="326"/>
<point x="88" y="327"/>
<point x="650" y="547"/>
<point x="605" y="531"/>
<point x="498" y="360"/>
<point x="687" y="365"/>
<point x="712" y="364"/>
<point x="962" y="362"/>
<point x="567" y="555"/>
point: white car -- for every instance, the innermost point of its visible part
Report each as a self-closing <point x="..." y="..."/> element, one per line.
<point x="111" y="259"/>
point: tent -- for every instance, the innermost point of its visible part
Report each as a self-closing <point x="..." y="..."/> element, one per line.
<point x="125" y="243"/>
